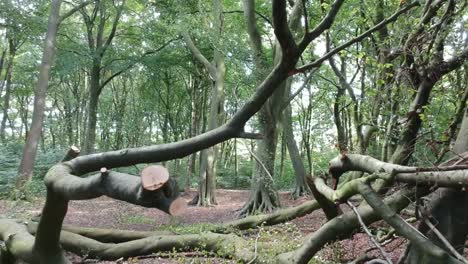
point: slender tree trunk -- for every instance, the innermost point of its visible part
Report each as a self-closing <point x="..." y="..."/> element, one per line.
<point x="93" y="103"/>
<point x="338" y="119"/>
<point x="193" y="130"/>
<point x="217" y="72"/>
<point x="6" y="99"/>
<point x="2" y="62"/>
<point x="300" y="186"/>
<point x="98" y="44"/>
<point x="282" y="154"/>
<point x="30" y="148"/>
<point x="207" y="184"/>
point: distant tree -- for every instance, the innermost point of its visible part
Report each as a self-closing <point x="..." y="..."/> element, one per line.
<point x="32" y="141"/>
<point x="217" y="71"/>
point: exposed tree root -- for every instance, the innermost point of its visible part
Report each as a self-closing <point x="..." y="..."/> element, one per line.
<point x="261" y="201"/>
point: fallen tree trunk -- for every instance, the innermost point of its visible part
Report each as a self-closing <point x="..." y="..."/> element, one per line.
<point x="254" y="221"/>
<point x="227" y="246"/>
<point x="17" y="240"/>
<point x="341" y="227"/>
<point x="277" y="217"/>
<point x="105" y="235"/>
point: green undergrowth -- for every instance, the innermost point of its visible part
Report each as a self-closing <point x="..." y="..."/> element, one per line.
<point x="269" y="241"/>
<point x="188" y="229"/>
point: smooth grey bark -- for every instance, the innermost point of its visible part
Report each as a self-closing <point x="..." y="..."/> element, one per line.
<point x="300" y="186"/>
<point x="217" y="70"/>
<point x="30" y="147"/>
<point x="263" y="196"/>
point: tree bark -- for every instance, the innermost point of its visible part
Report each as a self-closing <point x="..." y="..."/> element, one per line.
<point x="217" y="70"/>
<point x="6" y="103"/>
<point x="300" y="186"/>
<point x="30" y="148"/>
<point x="6" y="99"/>
<point x="98" y="45"/>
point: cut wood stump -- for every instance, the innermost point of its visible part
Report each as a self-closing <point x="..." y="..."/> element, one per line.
<point x="154" y="177"/>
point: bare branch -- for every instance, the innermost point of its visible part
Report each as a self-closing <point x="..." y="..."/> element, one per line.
<point x="455" y="176"/>
<point x="368" y="232"/>
<point x="74" y="10"/>
<point x="257" y="159"/>
<point x="249" y="135"/>
<point x="114" y="28"/>
<point x="343" y="46"/>
<point x="325" y="24"/>
<point x="198" y="55"/>
<point x="408" y="231"/>
<point x="443" y="239"/>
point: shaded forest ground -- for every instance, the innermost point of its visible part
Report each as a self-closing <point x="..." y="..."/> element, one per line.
<point x="108" y="213"/>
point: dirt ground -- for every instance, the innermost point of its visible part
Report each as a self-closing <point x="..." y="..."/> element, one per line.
<point x="108" y="213"/>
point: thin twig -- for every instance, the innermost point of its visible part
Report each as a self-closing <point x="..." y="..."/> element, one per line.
<point x="257" y="159"/>
<point x="363" y="225"/>
<point x="444" y="240"/>
<point x="255" y="249"/>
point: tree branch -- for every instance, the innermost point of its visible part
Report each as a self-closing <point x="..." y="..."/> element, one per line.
<point x="325" y="24"/>
<point x="343" y="46"/>
<point x="369" y="234"/>
<point x="198" y="55"/>
<point x="408" y="231"/>
<point x="281" y="29"/>
<point x="74" y="10"/>
<point x="442" y="238"/>
<point x="114" y="28"/>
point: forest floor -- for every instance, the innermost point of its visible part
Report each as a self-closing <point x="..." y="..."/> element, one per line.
<point x="108" y="213"/>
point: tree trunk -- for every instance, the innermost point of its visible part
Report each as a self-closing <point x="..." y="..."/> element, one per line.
<point x="193" y="130"/>
<point x="217" y="71"/>
<point x="6" y="101"/>
<point x="263" y="196"/>
<point x="300" y="186"/>
<point x="338" y="114"/>
<point x="2" y="62"/>
<point x="98" y="45"/>
<point x="207" y="184"/>
<point x="30" y="148"/>
<point x="93" y="103"/>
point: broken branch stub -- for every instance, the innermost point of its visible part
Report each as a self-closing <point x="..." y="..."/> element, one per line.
<point x="154" y="177"/>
